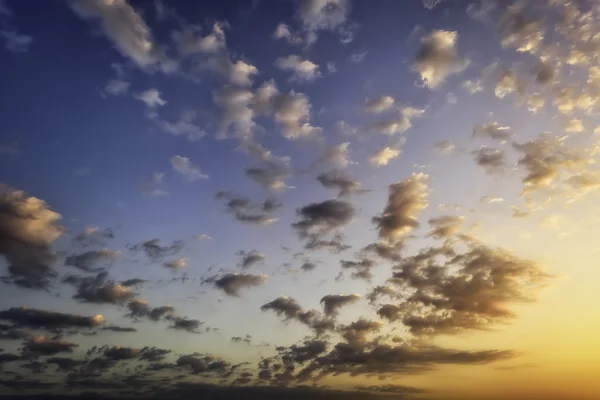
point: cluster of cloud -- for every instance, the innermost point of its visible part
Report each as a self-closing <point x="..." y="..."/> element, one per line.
<point x="244" y="210"/>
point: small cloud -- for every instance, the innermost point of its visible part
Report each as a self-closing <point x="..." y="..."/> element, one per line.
<point x="151" y="97"/>
<point x="15" y="42"/>
<point x="303" y="70"/>
<point x="358" y="57"/>
<point x="438" y="58"/>
<point x="184" y="166"/>
<point x="117" y="87"/>
<point x="379" y="104"/>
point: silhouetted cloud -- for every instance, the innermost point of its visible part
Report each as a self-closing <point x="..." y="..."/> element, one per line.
<point x="333" y="302"/>
<point x="233" y="283"/>
<point x="340" y="181"/>
<point x="35" y="318"/>
<point x="154" y="251"/>
<point x="250" y="258"/>
<point x="291" y="310"/>
<point x="244" y="210"/>
<point x="87" y="261"/>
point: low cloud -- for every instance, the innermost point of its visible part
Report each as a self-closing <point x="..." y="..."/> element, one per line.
<point x="184" y="166"/>
<point x="154" y="251"/>
<point x="438" y="58"/>
<point x="334" y="302"/>
<point x="35" y="318"/>
<point x="303" y="70"/>
<point x="233" y="283"/>
<point x="291" y="310"/>
<point x="245" y="210"/>
<point x="250" y="258"/>
<point x="406" y="200"/>
<point x="88" y="261"/>
<point x="341" y="181"/>
<point x="29" y="228"/>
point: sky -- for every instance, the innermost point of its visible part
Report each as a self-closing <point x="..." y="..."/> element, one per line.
<point x="329" y="199"/>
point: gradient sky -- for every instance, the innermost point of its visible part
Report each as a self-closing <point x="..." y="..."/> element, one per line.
<point x="312" y="198"/>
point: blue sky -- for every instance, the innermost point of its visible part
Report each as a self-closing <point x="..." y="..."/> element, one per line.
<point x="169" y="141"/>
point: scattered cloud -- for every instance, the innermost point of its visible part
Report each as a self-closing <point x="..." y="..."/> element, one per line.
<point x="303" y="70"/>
<point x="438" y="58"/>
<point x="184" y="166"/>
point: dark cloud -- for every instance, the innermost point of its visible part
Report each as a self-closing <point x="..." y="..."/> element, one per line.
<point x="455" y="291"/>
<point x="87" y="261"/>
<point x="391" y="389"/>
<point x="291" y="310"/>
<point x="139" y="308"/>
<point x="339" y="180"/>
<point x="246" y="339"/>
<point x="317" y="219"/>
<point x="390" y="252"/>
<point x="43" y="345"/>
<point x="333" y="302"/>
<point x="133" y="282"/>
<point x="250" y="258"/>
<point x="36" y="318"/>
<point x="493" y="131"/>
<point x="99" y="290"/>
<point x="201" y="364"/>
<point x="362" y="268"/>
<point x="308" y="266"/>
<point x="114" y="328"/>
<point x="357" y="333"/>
<point x="232" y="283"/>
<point x="121" y="353"/>
<point x="405" y="202"/>
<point x="493" y="161"/>
<point x="153" y="354"/>
<point x="154" y="251"/>
<point x="27" y="232"/>
<point x="334" y="244"/>
<point x="245" y="210"/>
<point x="64" y="363"/>
<point x="381" y="291"/>
<point x="93" y="236"/>
<point x="184" y="324"/>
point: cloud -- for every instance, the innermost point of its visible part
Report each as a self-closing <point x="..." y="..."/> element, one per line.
<point x="176" y="264"/>
<point x="362" y="268"/>
<point x="151" y="97"/>
<point x="250" y="258"/>
<point x="291" y="111"/>
<point x="491" y="199"/>
<point x="184" y="126"/>
<point x="189" y="42"/>
<point x="35" y="318"/>
<point x="445" y="146"/>
<point x="493" y="161"/>
<point x="454" y="291"/>
<point x="233" y="283"/>
<point x="184" y="324"/>
<point x="283" y="31"/>
<point x="291" y="310"/>
<point x="94" y="236"/>
<point x="333" y="302"/>
<point x="98" y="290"/>
<point x="15" y="42"/>
<point x="379" y="104"/>
<point x="357" y="333"/>
<point x="317" y="219"/>
<point x="382" y="157"/>
<point x="400" y="124"/>
<point x="387" y="251"/>
<point x="493" y="131"/>
<point x="322" y="15"/>
<point x="87" y="261"/>
<point x="154" y="251"/>
<point x="405" y="202"/>
<point x="438" y="58"/>
<point x="445" y="226"/>
<point x="114" y="328"/>
<point x="303" y="70"/>
<point x="126" y="29"/>
<point x="149" y="186"/>
<point x="139" y="308"/>
<point x="117" y="87"/>
<point x="357" y="58"/>
<point x="508" y="83"/>
<point x="340" y="181"/>
<point x="520" y="31"/>
<point x="245" y="210"/>
<point x="544" y="159"/>
<point x="43" y="345"/>
<point x="28" y="230"/>
<point x="338" y="155"/>
<point x="121" y="353"/>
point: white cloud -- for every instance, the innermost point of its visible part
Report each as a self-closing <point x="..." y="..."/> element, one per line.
<point x="184" y="126"/>
<point x="383" y="156"/>
<point x="151" y="97"/>
<point x="338" y="155"/>
<point x="117" y="87"/>
<point x="303" y="70"/>
<point x="437" y="58"/>
<point x="574" y="126"/>
<point x="283" y="31"/>
<point x="184" y="166"/>
<point x="126" y="28"/>
<point x="379" y="104"/>
<point x="358" y="57"/>
<point x="472" y="86"/>
<point x="241" y="73"/>
<point x="399" y="124"/>
<point x="317" y="15"/>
